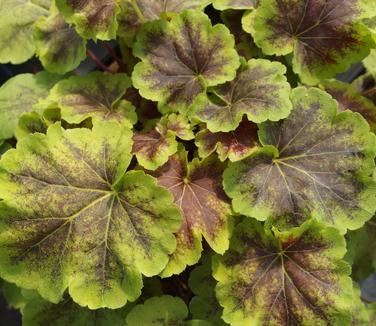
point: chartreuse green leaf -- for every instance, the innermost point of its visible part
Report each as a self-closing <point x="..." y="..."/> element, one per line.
<point x="372" y="313"/>
<point x="234" y="4"/>
<point x="204" y="304"/>
<point x="31" y="123"/>
<point x="234" y="145"/>
<point x="317" y="162"/>
<point x="349" y="98"/>
<point x="136" y="12"/>
<point x="361" y="250"/>
<point x="180" y="58"/>
<point x="18" y="95"/>
<point x="360" y="315"/>
<point x="153" y="148"/>
<point x="162" y="311"/>
<point x="326" y="37"/>
<point x="294" y="277"/>
<point x="39" y="312"/>
<point x="93" y="19"/>
<point x="370" y="62"/>
<point x="260" y="91"/>
<point x="58" y="46"/>
<point x="13" y="295"/>
<point x="72" y="218"/>
<point x="17" y="18"/>
<point x="97" y="95"/>
<point x="197" y="189"/>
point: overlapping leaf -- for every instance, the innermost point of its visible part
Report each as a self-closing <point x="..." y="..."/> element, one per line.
<point x="18" y="95"/>
<point x="72" y="218"/>
<point x="326" y="37"/>
<point x="260" y="91"/>
<point x="204" y="304"/>
<point x="38" y="312"/>
<point x="17" y="18"/>
<point x="92" y="18"/>
<point x="197" y="189"/>
<point x="97" y="95"/>
<point x="349" y="98"/>
<point x="58" y="45"/>
<point x="295" y="277"/>
<point x="234" y="4"/>
<point x="153" y="148"/>
<point x="361" y="250"/>
<point x="161" y="311"/>
<point x="234" y="145"/>
<point x="181" y="58"/>
<point x="316" y="162"/>
<point x="135" y="13"/>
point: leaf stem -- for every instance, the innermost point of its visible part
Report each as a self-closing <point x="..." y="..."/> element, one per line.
<point x="114" y="56"/>
<point x="136" y="8"/>
<point x="99" y="63"/>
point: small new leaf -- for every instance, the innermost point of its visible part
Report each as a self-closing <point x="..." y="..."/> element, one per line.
<point x="180" y="58"/>
<point x="97" y="95"/>
<point x="18" y="95"/>
<point x="277" y="278"/>
<point x="234" y="145"/>
<point x="72" y="218"/>
<point x="260" y="91"/>
<point x="58" y="46"/>
<point x="326" y="37"/>
<point x="197" y="189"/>
<point x="93" y="19"/>
<point x="317" y="162"/>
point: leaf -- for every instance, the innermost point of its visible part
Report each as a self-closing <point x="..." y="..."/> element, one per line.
<point x="372" y="313"/>
<point x="31" y="123"/>
<point x="370" y="62"/>
<point x="39" y="312"/>
<point x="58" y="46"/>
<point x="204" y="304"/>
<point x="18" y="95"/>
<point x="136" y="12"/>
<point x="260" y="91"/>
<point x="234" y="4"/>
<point x="284" y="278"/>
<point x="360" y="315"/>
<point x="361" y="250"/>
<point x="160" y="311"/>
<point x="234" y="145"/>
<point x="97" y="95"/>
<point x="366" y="85"/>
<point x="93" y="19"/>
<point x="349" y="98"/>
<point x="13" y="295"/>
<point x="326" y="37"/>
<point x="153" y="148"/>
<point x="72" y="218"/>
<point x="197" y="189"/>
<point x="317" y="163"/>
<point x="180" y="58"/>
<point x="17" y="18"/>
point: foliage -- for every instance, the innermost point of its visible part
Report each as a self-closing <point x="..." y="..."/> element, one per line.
<point x="214" y="172"/>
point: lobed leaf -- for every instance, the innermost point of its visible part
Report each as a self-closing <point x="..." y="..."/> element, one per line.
<point x="283" y="278"/>
<point x="58" y="46"/>
<point x="180" y="58"/>
<point x="260" y="91"/>
<point x="18" y="96"/>
<point x="136" y="12"/>
<point x="317" y="163"/>
<point x="349" y="98"/>
<point x="326" y="37"/>
<point x="197" y="189"/>
<point x="234" y="145"/>
<point x="234" y="4"/>
<point x="160" y="311"/>
<point x="93" y="19"/>
<point x="97" y="95"/>
<point x="17" y="18"/>
<point x="72" y="218"/>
